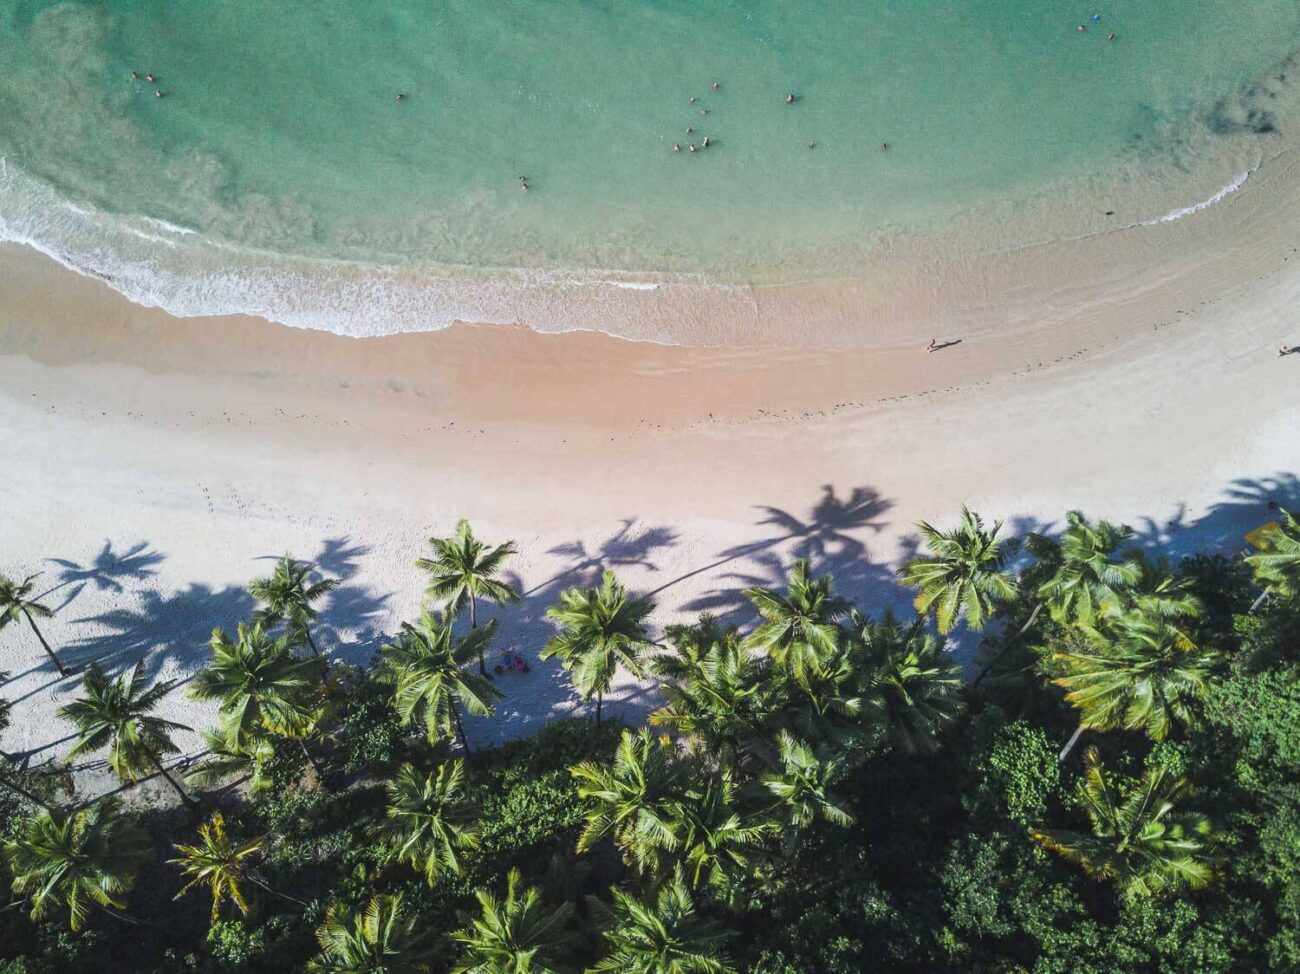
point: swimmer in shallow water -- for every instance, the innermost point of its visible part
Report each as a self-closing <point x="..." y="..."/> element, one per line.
<point x="789" y="99"/>
<point x="677" y="147"/>
<point x="713" y="87"/>
<point x="706" y="142"/>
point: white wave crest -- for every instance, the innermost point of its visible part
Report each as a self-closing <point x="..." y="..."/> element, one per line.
<point x="1218" y="197"/>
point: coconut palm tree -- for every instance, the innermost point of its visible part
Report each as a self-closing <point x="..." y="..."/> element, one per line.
<point x="463" y="569"/>
<point x="1081" y="578"/>
<point x="1143" y="678"/>
<point x="1139" y="841"/>
<point x="1277" y="562"/>
<point x="425" y="666"/>
<point x="287" y="596"/>
<point x="429" y="821"/>
<point x="258" y="682"/>
<point x="964" y="575"/>
<point x="800" y="627"/>
<point x="717" y="839"/>
<point x="513" y="935"/>
<point x="914" y="685"/>
<point x="224" y="760"/>
<point x="1087" y="573"/>
<point x="634" y="800"/>
<point x="16" y="604"/>
<point x="714" y="693"/>
<point x="1159" y="593"/>
<point x="218" y="862"/>
<point x="801" y="787"/>
<point x="662" y="935"/>
<point x="378" y="941"/>
<point x="118" y="715"/>
<point x="75" y="860"/>
<point x="599" y="629"/>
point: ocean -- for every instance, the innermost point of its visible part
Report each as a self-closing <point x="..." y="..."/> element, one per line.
<point x="362" y="167"/>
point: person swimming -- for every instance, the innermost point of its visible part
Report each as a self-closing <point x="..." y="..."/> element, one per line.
<point x="789" y="99"/>
<point x="884" y="146"/>
<point x="713" y="87"/>
<point x="157" y="93"/>
<point x="400" y="96"/>
<point x="691" y="147"/>
<point x="677" y="147"/>
<point x="135" y="75"/>
<point x="150" y="78"/>
<point x="706" y="142"/>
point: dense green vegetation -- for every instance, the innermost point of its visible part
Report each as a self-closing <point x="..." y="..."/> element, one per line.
<point x="819" y="792"/>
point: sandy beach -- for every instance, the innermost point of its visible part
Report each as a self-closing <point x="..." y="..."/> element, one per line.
<point x="153" y="465"/>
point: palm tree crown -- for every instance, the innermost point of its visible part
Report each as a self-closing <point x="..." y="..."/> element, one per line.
<point x="662" y="935"/>
<point x="378" y="941"/>
<point x="799" y="627"/>
<point x="118" y="714"/>
<point x="914" y="685"/>
<point x="287" y="596"/>
<point x="802" y="786"/>
<point x="964" y="575"/>
<point x="1142" y="679"/>
<point x="1277" y="562"/>
<point x="259" y="683"/>
<point x="218" y="862"/>
<point x="1085" y="581"/>
<point x="463" y="570"/>
<point x="713" y="690"/>
<point x="73" y="860"/>
<point x="16" y="604"/>
<point x="1139" y="841"/>
<point x="599" y="629"/>
<point x="426" y="668"/>
<point x="634" y="799"/>
<point x="429" y="820"/>
<point x="513" y="935"/>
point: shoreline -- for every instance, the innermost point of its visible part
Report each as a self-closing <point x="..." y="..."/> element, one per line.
<point x="1152" y="395"/>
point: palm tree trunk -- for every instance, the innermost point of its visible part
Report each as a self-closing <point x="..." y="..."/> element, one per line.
<point x="19" y="789"/>
<point x="63" y="670"/>
<point x="1258" y="602"/>
<point x="157" y="763"/>
<point x="311" y="643"/>
<point x="1069" y="745"/>
<point x="275" y="892"/>
<point x="473" y="624"/>
<point x="460" y="728"/>
<point x="1010" y="642"/>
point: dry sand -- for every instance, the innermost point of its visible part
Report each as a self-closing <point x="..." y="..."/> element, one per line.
<point x="152" y="465"/>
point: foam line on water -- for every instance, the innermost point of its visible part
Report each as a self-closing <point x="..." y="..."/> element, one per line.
<point x="1218" y="197"/>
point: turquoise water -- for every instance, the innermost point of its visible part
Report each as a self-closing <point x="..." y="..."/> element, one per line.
<point x="280" y="133"/>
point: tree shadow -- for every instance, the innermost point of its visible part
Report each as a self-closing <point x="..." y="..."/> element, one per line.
<point x="105" y="570"/>
<point x="167" y="632"/>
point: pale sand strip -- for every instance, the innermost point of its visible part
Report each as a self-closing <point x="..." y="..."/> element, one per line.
<point x="1136" y="381"/>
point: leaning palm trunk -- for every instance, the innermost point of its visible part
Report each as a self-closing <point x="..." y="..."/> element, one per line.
<point x="185" y="797"/>
<point x="63" y="670"/>
<point x="1069" y="745"/>
<point x="1033" y="616"/>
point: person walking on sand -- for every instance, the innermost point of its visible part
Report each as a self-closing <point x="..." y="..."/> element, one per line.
<point x="932" y="346"/>
<point x="1284" y="350"/>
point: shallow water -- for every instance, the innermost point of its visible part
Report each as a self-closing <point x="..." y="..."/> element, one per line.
<point x="280" y="135"/>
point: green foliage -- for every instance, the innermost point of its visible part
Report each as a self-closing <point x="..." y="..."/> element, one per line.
<point x="235" y="944"/>
<point x="1016" y="774"/>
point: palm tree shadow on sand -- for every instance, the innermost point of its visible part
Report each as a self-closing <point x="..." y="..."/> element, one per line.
<point x="105" y="571"/>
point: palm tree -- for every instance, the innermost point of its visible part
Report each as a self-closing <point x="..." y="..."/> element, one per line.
<point x="1084" y="581"/>
<point x="1138" y="841"/>
<point x="463" y="569"/>
<point x="1161" y="594"/>
<point x="599" y="629"/>
<point x="378" y="941"/>
<point x="662" y="935"/>
<point x="914" y="684"/>
<point x="426" y="668"/>
<point x="260" y="685"/>
<point x="429" y="821"/>
<point x="224" y="759"/>
<point x="75" y="860"/>
<point x="514" y="935"/>
<point x="287" y="596"/>
<point x="800" y="627"/>
<point x="219" y="863"/>
<point x="1277" y="562"/>
<point x="964" y="576"/>
<point x="802" y="787"/>
<point x="713" y="690"/>
<point x="15" y="604"/>
<point x="118" y="715"/>
<point x="634" y="799"/>
<point x="5" y="782"/>
<point x="1142" y="679"/>
<point x="716" y="838"/>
